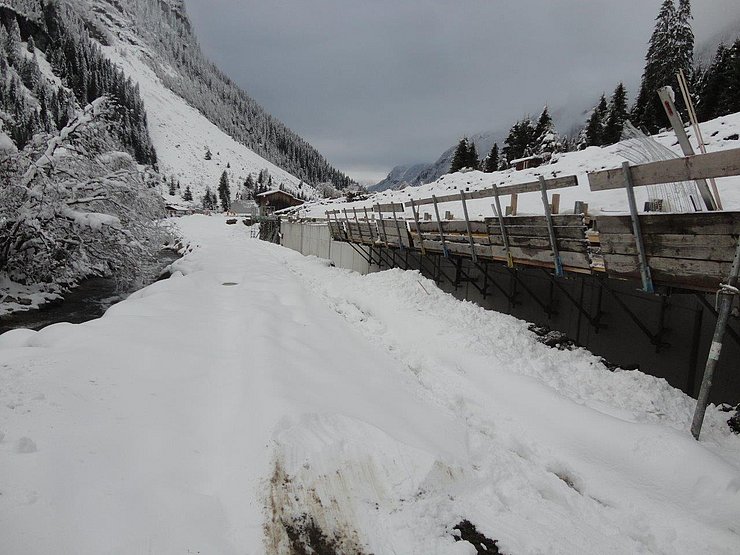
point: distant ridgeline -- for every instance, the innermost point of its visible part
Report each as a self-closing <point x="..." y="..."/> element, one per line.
<point x="32" y="101"/>
<point x="165" y="26"/>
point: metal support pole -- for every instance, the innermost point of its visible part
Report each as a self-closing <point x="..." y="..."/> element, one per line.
<point x="357" y="221"/>
<point x="666" y="98"/>
<point x="439" y="226"/>
<point x="470" y="230"/>
<point x="382" y="226"/>
<point x="551" y="229"/>
<point x="369" y="226"/>
<point x="418" y="228"/>
<point x="727" y="293"/>
<point x="647" y="279"/>
<point x="502" y="225"/>
<point x="349" y="227"/>
<point x="398" y="226"/>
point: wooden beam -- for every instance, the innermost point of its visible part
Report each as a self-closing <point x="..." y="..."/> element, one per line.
<point x="695" y="223"/>
<point x="725" y="163"/>
<point x="394" y="206"/>
<point x="530" y="187"/>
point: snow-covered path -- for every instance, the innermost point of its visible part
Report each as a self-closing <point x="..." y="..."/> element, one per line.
<point x="257" y="391"/>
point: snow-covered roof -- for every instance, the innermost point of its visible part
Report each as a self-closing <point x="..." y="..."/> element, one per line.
<point x="275" y="191"/>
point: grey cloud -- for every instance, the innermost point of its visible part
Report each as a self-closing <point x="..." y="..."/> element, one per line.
<point x="373" y="83"/>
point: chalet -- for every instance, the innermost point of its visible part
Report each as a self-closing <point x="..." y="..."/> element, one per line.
<point x="272" y="201"/>
<point x="174" y="210"/>
<point x="243" y="208"/>
<point x="526" y="163"/>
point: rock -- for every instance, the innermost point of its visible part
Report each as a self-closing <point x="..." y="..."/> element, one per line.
<point x="24" y="301"/>
<point x="10" y="299"/>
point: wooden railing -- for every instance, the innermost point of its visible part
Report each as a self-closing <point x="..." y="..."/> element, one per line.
<point x="690" y="250"/>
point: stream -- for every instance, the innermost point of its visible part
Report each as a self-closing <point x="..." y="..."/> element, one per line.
<point x="87" y="301"/>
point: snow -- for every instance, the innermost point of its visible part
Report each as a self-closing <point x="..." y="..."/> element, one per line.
<point x="256" y="386"/>
<point x="719" y="134"/>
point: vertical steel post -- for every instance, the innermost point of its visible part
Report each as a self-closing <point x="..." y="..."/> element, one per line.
<point x="470" y="230"/>
<point x="369" y="227"/>
<point x="382" y="225"/>
<point x="647" y="280"/>
<point x="502" y="225"/>
<point x="727" y="293"/>
<point x="418" y="228"/>
<point x="398" y="227"/>
<point x="439" y="227"/>
<point x="551" y="229"/>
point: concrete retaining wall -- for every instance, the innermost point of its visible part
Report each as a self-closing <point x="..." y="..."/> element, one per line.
<point x="314" y="240"/>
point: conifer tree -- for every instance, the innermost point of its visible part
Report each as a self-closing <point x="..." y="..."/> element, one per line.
<point x="671" y="49"/>
<point x="521" y="140"/>
<point x="209" y="156"/>
<point x="172" y="188"/>
<point x="472" y="161"/>
<point x="188" y="195"/>
<point x="617" y="116"/>
<point x="594" y="132"/>
<point x="461" y="156"/>
<point x="492" y="160"/>
<point x="224" y="192"/>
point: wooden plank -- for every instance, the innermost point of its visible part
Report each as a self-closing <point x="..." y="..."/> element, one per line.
<point x="538" y="231"/>
<point x="558" y="220"/>
<point x="719" y="248"/>
<point x="695" y="223"/>
<point x="389" y="207"/>
<point x="530" y="187"/>
<point x="453" y="226"/>
<point x="725" y="163"/>
<point x="526" y="243"/>
<point x="691" y="274"/>
<point x="524" y="257"/>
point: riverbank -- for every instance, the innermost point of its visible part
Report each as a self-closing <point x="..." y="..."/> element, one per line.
<point x="36" y="306"/>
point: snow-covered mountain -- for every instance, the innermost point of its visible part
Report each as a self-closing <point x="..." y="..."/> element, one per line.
<point x="192" y="108"/>
<point x="421" y="174"/>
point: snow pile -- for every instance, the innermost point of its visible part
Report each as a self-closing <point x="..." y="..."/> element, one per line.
<point x="258" y="395"/>
<point x="719" y="134"/>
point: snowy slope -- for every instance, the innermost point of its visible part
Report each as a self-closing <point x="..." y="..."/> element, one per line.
<point x="258" y="389"/>
<point x="719" y="134"/>
<point x="181" y="134"/>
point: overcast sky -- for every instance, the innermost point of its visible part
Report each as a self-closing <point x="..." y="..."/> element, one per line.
<point x="375" y="83"/>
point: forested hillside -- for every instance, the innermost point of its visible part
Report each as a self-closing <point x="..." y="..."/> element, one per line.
<point x="78" y="193"/>
<point x="167" y="32"/>
<point x="51" y="68"/>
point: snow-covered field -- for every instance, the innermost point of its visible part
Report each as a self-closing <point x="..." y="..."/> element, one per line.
<point x="719" y="134"/>
<point x="257" y="388"/>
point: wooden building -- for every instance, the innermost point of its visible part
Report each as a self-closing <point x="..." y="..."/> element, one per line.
<point x="526" y="163"/>
<point x="272" y="201"/>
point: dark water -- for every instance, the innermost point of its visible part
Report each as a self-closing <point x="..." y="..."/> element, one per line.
<point x="86" y="302"/>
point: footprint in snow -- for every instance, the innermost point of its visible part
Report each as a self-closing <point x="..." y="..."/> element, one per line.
<point x="26" y="445"/>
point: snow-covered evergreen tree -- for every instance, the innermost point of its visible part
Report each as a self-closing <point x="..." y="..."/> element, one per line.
<point x="224" y="192"/>
<point x="492" y="162"/>
<point x="617" y="116"/>
<point x="671" y="49"/>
